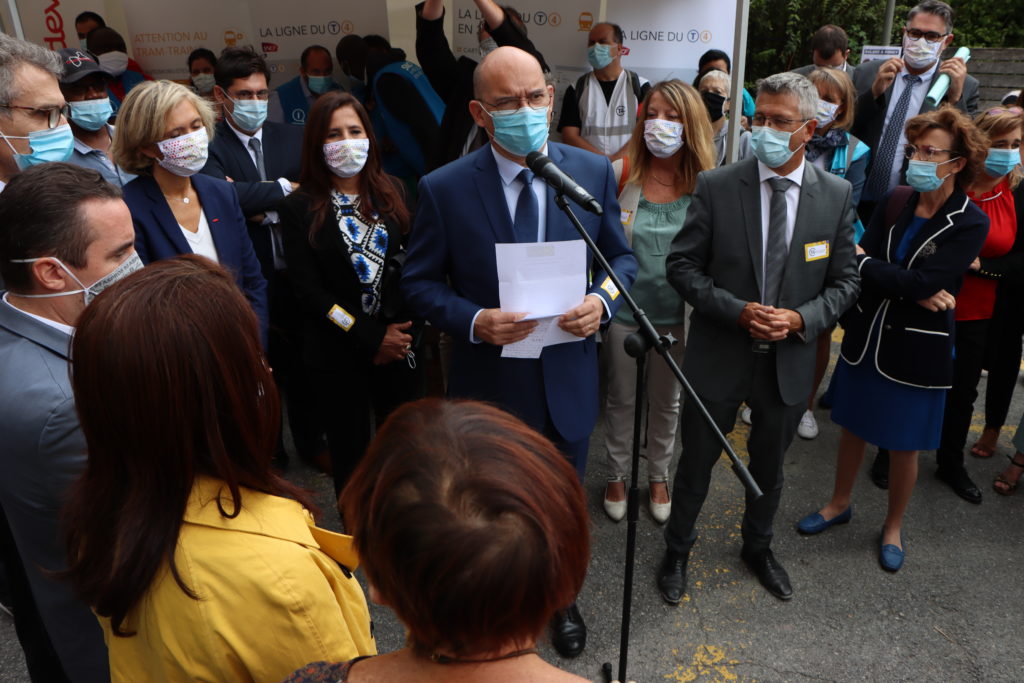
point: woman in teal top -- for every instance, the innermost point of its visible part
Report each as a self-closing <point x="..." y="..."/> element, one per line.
<point x="671" y="144"/>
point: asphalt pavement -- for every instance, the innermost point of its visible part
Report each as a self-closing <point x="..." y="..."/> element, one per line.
<point x="955" y="612"/>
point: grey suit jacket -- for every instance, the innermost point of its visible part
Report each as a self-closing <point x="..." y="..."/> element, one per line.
<point x="42" y="451"/>
<point x="715" y="265"/>
<point x="864" y="76"/>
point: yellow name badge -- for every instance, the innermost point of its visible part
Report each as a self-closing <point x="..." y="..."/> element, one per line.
<point x="626" y="217"/>
<point x="340" y="317"/>
<point x="610" y="288"/>
<point x="815" y="251"/>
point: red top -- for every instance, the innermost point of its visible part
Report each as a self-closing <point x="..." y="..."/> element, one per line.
<point x="977" y="298"/>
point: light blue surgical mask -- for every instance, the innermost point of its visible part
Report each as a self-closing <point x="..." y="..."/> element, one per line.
<point x="49" y="144"/>
<point x="771" y="147"/>
<point x="320" y="84"/>
<point x="91" y="114"/>
<point x="599" y="55"/>
<point x="521" y="131"/>
<point x="249" y="115"/>
<point x="1000" y="162"/>
<point x="922" y="175"/>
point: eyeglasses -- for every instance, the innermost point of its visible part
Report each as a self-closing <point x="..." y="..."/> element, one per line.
<point x="930" y="36"/>
<point x="775" y="121"/>
<point x="250" y="95"/>
<point x="52" y="114"/>
<point x="535" y="100"/>
<point x="925" y="151"/>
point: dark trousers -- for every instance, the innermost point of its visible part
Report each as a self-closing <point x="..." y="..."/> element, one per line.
<point x="1002" y="355"/>
<point x="970" y="357"/>
<point x="351" y="402"/>
<point x="290" y="373"/>
<point x="40" y="657"/>
<point x="773" y="428"/>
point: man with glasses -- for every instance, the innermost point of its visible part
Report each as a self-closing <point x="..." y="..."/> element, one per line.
<point x="84" y="85"/>
<point x="890" y="93"/>
<point x="262" y="158"/>
<point x="33" y="113"/>
<point x="489" y="197"/>
<point x="766" y="260"/>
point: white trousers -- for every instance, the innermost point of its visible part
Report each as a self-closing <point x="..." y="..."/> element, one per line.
<point x="662" y="403"/>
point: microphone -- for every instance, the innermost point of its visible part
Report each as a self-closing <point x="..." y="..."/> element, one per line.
<point x="543" y="167"/>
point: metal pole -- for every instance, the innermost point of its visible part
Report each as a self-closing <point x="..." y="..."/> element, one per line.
<point x="890" y="10"/>
<point x="739" y="62"/>
<point x="15" y="19"/>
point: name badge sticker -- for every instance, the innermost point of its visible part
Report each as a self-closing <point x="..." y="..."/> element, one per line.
<point x="815" y="251"/>
<point x="340" y="317"/>
<point x="609" y="287"/>
<point x="626" y="217"/>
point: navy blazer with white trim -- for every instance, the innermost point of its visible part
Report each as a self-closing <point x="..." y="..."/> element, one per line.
<point x="915" y="345"/>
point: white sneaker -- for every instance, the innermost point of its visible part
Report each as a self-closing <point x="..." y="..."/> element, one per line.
<point x="808" y="428"/>
<point x="745" y="414"/>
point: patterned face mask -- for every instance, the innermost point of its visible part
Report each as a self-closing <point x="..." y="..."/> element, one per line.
<point x="663" y="137"/>
<point x="185" y="154"/>
<point x="346" y="158"/>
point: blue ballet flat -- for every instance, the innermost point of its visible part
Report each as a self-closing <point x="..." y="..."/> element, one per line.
<point x="890" y="556"/>
<point x="814" y="523"/>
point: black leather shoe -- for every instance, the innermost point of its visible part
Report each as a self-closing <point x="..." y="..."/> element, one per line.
<point x="769" y="572"/>
<point x="880" y="469"/>
<point x="961" y="484"/>
<point x="568" y="632"/>
<point x="672" y="576"/>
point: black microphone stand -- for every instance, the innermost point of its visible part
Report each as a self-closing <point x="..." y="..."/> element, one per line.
<point x="637" y="345"/>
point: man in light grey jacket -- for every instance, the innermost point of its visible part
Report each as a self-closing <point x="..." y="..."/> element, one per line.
<point x="65" y="234"/>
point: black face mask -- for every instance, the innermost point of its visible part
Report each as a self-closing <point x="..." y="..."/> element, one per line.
<point x="714" y="103"/>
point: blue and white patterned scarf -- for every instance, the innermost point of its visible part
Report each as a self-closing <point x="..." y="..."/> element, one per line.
<point x="367" y="241"/>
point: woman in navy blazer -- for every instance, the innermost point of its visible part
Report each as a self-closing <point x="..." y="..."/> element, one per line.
<point x="896" y="362"/>
<point x="163" y="136"/>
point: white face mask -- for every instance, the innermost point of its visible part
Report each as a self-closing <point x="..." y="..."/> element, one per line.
<point x="664" y="138"/>
<point x="346" y="158"/>
<point x="920" y="54"/>
<point x="826" y="112"/>
<point x="487" y="46"/>
<point x="90" y="292"/>
<point x="185" y="154"/>
<point x="114" y="63"/>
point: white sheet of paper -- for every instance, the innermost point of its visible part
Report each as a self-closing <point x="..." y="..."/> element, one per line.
<point x="543" y="280"/>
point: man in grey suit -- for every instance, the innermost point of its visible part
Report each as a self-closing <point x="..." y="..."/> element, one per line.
<point x="65" y="234"/>
<point x="766" y="259"/>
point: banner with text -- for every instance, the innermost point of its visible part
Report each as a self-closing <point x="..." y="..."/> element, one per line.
<point x="162" y="35"/>
<point x="666" y="39"/>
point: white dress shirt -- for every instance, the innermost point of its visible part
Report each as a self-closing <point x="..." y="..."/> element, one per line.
<point x="66" y="329"/>
<point x="913" y="109"/>
<point x="792" y="205"/>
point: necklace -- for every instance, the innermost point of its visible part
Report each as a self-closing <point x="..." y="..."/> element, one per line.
<point x="183" y="200"/>
<point x="662" y="182"/>
<point x="439" y="658"/>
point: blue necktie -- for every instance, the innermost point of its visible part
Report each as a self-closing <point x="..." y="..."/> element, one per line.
<point x="527" y="214"/>
<point x="878" y="182"/>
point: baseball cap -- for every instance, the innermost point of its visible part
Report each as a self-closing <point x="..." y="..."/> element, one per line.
<point x="78" y="64"/>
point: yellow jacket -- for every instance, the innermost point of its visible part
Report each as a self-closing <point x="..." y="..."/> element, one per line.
<point x="272" y="599"/>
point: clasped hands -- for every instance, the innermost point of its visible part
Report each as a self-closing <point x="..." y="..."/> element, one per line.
<point x="498" y="327"/>
<point x="768" y="322"/>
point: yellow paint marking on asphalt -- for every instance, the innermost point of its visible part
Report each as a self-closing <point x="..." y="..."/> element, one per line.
<point x="709" y="663"/>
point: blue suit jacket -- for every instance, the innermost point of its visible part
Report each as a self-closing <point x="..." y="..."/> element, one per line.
<point x="157" y="235"/>
<point x="450" y="274"/>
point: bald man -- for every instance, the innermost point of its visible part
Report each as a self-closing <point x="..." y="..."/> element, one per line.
<point x="450" y="278"/>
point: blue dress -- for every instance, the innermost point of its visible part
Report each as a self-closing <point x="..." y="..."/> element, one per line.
<point x="889" y="414"/>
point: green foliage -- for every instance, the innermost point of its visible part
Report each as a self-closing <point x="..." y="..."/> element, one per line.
<point x="780" y="30"/>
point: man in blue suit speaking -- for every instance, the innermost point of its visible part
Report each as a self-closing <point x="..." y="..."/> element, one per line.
<point x="450" y="276"/>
